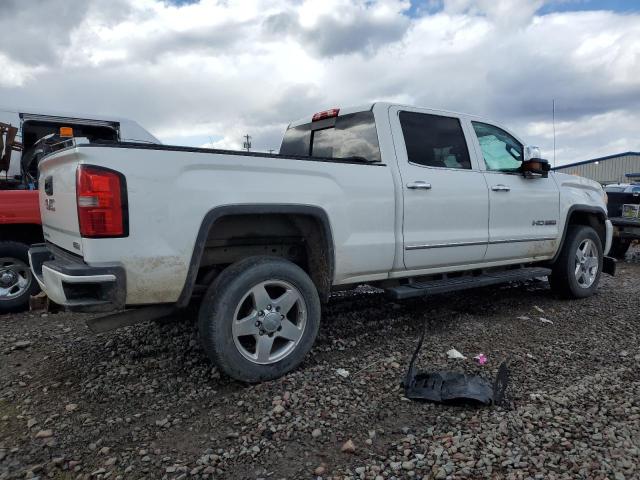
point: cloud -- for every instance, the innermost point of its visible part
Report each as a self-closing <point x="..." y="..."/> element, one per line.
<point x="40" y="32"/>
<point x="221" y="69"/>
<point x="341" y="27"/>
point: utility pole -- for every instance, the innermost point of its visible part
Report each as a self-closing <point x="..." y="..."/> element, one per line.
<point x="271" y="150"/>
<point x="247" y="143"/>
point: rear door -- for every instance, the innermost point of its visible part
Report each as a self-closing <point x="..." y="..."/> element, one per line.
<point x="524" y="212"/>
<point x="446" y="205"/>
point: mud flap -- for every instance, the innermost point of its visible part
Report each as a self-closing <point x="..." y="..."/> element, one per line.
<point x="609" y="265"/>
<point x="454" y="387"/>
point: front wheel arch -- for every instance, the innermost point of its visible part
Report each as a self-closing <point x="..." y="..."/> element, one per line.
<point x="586" y="215"/>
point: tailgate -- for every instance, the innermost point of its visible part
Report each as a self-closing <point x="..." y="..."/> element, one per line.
<point x="57" y="188"/>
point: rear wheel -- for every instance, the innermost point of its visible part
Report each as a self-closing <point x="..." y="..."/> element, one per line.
<point x="577" y="270"/>
<point x="16" y="280"/>
<point x="619" y="248"/>
<point x="259" y="318"/>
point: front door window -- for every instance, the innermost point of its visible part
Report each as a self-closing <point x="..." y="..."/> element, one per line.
<point x="501" y="152"/>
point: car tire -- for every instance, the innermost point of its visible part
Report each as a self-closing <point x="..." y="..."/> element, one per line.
<point x="259" y="318"/>
<point x="17" y="282"/>
<point x="619" y="248"/>
<point x="577" y="270"/>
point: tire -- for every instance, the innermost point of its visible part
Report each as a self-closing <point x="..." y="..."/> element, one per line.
<point x="570" y="279"/>
<point x="619" y="248"/>
<point x="17" y="283"/>
<point x="242" y="350"/>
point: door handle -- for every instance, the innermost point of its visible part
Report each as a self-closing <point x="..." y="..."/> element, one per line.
<point x="419" y="184"/>
<point x="500" y="188"/>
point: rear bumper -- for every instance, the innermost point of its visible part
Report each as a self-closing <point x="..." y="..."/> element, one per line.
<point x="70" y="282"/>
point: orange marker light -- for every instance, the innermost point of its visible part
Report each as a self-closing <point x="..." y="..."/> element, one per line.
<point x="66" y="132"/>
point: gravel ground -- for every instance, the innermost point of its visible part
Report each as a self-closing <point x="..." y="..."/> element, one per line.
<point x="143" y="402"/>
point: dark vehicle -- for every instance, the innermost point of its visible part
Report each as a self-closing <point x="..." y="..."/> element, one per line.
<point x="623" y="206"/>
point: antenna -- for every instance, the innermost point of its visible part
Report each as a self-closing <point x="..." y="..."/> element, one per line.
<point x="554" y="131"/>
<point x="247" y="143"/>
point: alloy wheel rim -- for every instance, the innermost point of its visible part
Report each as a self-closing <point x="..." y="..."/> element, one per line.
<point x="269" y="322"/>
<point x="586" y="263"/>
<point x="15" y="278"/>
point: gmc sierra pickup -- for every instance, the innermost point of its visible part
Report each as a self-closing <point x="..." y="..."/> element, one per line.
<point x="410" y="200"/>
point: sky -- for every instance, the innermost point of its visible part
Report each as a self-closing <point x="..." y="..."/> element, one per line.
<point x="204" y="73"/>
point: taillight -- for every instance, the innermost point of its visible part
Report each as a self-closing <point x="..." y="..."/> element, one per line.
<point x="102" y="202"/>
<point x="331" y="113"/>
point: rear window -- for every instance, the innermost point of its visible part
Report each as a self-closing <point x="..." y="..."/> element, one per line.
<point x="348" y="136"/>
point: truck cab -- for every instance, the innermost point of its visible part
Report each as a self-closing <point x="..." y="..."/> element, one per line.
<point x="25" y="135"/>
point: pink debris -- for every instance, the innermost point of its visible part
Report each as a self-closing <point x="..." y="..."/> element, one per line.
<point x="481" y="359"/>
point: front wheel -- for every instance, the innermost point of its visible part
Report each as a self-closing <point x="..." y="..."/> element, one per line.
<point x="16" y="280"/>
<point x="259" y="318"/>
<point x="577" y="270"/>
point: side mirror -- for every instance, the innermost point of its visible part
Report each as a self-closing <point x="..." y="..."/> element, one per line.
<point x="535" y="168"/>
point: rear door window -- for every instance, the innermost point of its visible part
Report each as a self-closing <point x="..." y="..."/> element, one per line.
<point x="348" y="136"/>
<point x="434" y="140"/>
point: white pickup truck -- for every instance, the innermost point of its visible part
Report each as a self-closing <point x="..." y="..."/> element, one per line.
<point x="410" y="200"/>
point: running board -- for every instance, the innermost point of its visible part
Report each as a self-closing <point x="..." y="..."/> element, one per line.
<point x="433" y="287"/>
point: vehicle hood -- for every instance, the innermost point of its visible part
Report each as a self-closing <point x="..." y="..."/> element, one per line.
<point x="581" y="190"/>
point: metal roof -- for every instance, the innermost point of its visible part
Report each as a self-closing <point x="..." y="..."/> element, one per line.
<point x="599" y="159"/>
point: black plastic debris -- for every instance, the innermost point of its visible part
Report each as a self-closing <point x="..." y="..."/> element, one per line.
<point x="454" y="387"/>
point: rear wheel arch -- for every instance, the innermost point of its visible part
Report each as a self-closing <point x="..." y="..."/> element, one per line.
<point x="307" y="220"/>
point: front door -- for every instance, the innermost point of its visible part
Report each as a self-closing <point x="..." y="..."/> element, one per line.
<point x="445" y="197"/>
<point x="524" y="212"/>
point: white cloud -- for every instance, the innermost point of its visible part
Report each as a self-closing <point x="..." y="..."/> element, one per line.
<point x="15" y="74"/>
<point x="221" y="69"/>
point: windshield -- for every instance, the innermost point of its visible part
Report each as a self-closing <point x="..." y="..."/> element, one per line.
<point x="614" y="189"/>
<point x="348" y="136"/>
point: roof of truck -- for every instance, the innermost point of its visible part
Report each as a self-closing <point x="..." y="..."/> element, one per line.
<point x="369" y="106"/>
